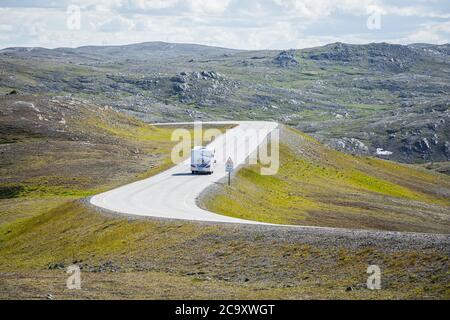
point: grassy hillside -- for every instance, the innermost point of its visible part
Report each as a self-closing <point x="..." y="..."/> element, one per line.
<point x="48" y="164"/>
<point x="138" y="258"/>
<point x="318" y="186"/>
<point x="56" y="149"/>
<point x="386" y="96"/>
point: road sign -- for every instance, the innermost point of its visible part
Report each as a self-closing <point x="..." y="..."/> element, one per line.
<point x="229" y="165"/>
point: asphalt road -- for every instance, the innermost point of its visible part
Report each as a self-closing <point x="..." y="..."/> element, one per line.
<point x="173" y="193"/>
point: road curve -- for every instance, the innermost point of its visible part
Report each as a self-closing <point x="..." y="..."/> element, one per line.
<point x="173" y="193"/>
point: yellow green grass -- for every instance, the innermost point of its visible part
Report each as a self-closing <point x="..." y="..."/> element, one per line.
<point x="44" y="223"/>
<point x="112" y="137"/>
<point x="221" y="262"/>
<point x="322" y="187"/>
<point x="114" y="149"/>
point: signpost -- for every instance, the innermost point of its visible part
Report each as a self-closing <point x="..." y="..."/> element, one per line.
<point x="229" y="166"/>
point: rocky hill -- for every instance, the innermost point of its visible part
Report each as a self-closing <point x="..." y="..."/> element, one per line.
<point x="385" y="100"/>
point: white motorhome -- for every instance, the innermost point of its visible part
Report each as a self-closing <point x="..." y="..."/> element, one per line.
<point x="202" y="160"/>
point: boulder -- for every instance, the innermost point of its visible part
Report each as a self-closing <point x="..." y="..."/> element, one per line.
<point x="286" y="59"/>
<point x="447" y="149"/>
<point x="180" y="87"/>
<point x="422" y="146"/>
<point x="349" y="145"/>
<point x="209" y="74"/>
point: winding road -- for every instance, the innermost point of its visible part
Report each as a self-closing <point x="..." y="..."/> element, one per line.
<point x="173" y="193"/>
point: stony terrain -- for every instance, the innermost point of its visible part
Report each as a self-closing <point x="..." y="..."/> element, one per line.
<point x="72" y="123"/>
<point x="44" y="227"/>
<point x="318" y="186"/>
<point x="127" y="258"/>
<point x="389" y="101"/>
<point x="58" y="148"/>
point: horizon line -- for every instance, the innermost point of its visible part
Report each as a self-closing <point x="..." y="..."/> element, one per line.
<point x="217" y="46"/>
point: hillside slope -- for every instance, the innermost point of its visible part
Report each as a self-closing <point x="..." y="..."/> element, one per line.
<point x="54" y="149"/>
<point x="318" y="186"/>
<point x="360" y="99"/>
<point x="47" y="164"/>
<point x="125" y="258"/>
<point x="71" y="126"/>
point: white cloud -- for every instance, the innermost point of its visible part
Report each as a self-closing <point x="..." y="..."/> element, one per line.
<point x="5" y="27"/>
<point x="208" y="6"/>
<point x="177" y="6"/>
<point x="143" y="5"/>
<point x="322" y="8"/>
<point x="115" y="24"/>
<point x="249" y="24"/>
<point x="316" y="9"/>
<point x="435" y="33"/>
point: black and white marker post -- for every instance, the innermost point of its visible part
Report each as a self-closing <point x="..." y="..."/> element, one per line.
<point x="229" y="166"/>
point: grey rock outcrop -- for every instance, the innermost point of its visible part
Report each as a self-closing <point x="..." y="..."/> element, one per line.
<point x="286" y="59"/>
<point x="447" y="149"/>
<point x="349" y="145"/>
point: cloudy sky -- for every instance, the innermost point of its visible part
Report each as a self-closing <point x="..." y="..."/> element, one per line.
<point x="243" y="24"/>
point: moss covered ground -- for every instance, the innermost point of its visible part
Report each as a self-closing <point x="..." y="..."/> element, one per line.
<point x="44" y="224"/>
<point x="318" y="186"/>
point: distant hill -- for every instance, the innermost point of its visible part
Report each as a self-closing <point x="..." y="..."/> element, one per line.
<point x="386" y="100"/>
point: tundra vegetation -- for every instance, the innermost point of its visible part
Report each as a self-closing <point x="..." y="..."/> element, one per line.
<point x="319" y="186"/>
<point x="73" y="122"/>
